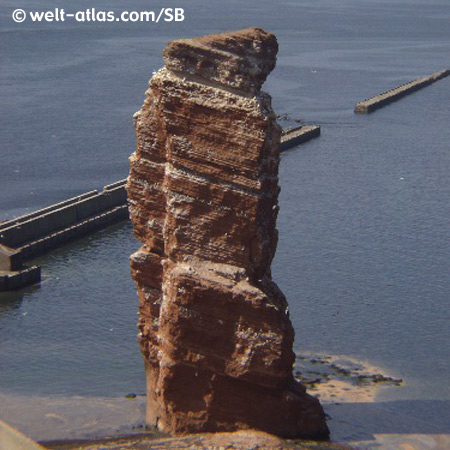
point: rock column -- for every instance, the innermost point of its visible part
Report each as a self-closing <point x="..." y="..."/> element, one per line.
<point x="203" y="186"/>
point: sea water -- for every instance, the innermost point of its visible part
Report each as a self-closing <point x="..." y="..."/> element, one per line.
<point x="363" y="256"/>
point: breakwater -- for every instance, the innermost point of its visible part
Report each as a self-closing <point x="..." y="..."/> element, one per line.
<point x="298" y="135"/>
<point x="378" y="101"/>
<point x="33" y="234"/>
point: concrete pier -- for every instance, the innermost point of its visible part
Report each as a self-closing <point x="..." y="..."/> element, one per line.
<point x="378" y="101"/>
<point x="33" y="234"/>
<point x="295" y="136"/>
<point x="11" y="280"/>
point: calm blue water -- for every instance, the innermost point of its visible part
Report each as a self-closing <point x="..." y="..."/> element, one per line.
<point x="364" y="243"/>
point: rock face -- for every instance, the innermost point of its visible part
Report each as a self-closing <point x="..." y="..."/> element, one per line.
<point x="203" y="186"/>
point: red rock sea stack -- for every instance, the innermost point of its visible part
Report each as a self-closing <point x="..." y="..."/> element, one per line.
<point x="203" y="187"/>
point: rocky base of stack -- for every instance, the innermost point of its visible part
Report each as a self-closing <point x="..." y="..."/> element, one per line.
<point x="203" y="187"/>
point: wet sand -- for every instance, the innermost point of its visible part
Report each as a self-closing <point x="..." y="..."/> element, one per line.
<point x="58" y="418"/>
<point x="339" y="378"/>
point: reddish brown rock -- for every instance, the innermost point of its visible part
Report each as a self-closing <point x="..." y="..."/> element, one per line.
<point x="203" y="187"/>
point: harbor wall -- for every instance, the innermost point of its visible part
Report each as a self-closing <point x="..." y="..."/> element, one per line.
<point x="299" y="135"/>
<point x="26" y="229"/>
<point x="33" y="234"/>
<point x="378" y="101"/>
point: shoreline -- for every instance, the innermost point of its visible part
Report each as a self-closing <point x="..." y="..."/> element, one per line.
<point x="117" y="422"/>
<point x="243" y="439"/>
<point x="353" y="393"/>
<point x="344" y="385"/>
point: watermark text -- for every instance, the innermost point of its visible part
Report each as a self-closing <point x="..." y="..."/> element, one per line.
<point x="94" y="15"/>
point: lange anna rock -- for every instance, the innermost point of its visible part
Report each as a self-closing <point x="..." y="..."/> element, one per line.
<point x="203" y="188"/>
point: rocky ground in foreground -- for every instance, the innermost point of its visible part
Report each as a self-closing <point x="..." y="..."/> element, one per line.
<point x="237" y="440"/>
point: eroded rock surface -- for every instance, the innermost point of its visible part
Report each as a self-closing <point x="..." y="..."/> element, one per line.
<point x="203" y="188"/>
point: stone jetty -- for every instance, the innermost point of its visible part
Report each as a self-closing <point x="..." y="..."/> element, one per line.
<point x="290" y="138"/>
<point x="378" y="101"/>
<point x="34" y="234"/>
<point x="214" y="328"/>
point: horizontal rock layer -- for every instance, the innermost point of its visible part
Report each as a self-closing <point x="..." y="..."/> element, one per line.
<point x="203" y="188"/>
<point x="240" y="60"/>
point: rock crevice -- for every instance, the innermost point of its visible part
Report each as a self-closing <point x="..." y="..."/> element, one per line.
<point x="203" y="187"/>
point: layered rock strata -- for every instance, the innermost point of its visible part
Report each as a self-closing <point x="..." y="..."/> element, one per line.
<point x="203" y="186"/>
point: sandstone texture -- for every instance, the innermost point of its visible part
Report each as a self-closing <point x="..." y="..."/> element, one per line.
<point x="203" y="187"/>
